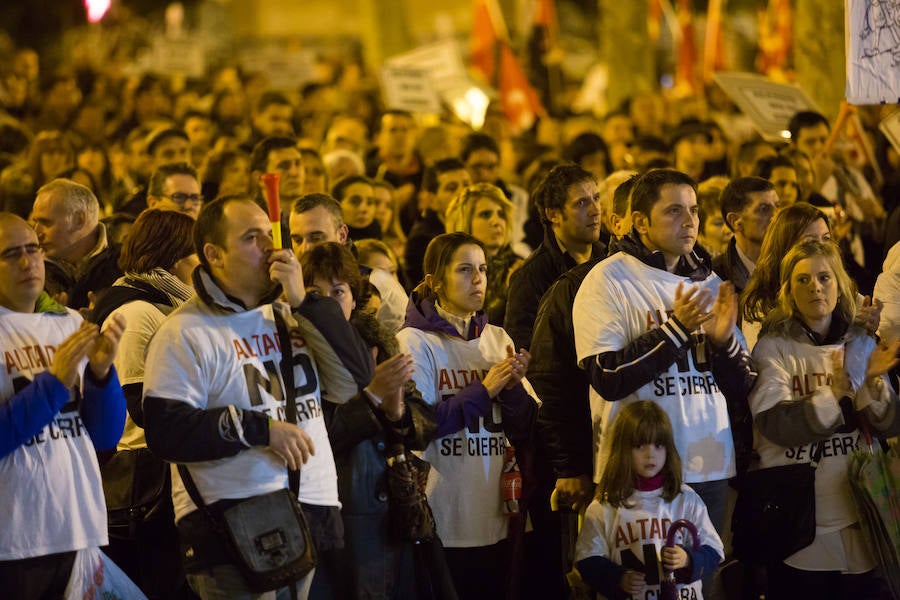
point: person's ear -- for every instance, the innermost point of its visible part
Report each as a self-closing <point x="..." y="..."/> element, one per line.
<point x="343" y="233"/>
<point x="640" y="221"/>
<point x="553" y="215"/>
<point x="213" y="254"/>
<point x="734" y="221"/>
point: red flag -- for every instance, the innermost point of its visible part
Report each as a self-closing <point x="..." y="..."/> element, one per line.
<point x="519" y="101"/>
<point x="490" y="45"/>
<point x="775" y="40"/>
<point x="685" y="69"/>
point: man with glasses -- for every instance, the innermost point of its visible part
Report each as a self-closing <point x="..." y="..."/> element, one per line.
<point x="60" y="400"/>
<point x="78" y="255"/>
<point x="175" y="187"/>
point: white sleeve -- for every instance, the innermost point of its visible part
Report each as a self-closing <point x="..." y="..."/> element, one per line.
<point x="597" y="317"/>
<point x="591" y="538"/>
<point x="414" y="342"/>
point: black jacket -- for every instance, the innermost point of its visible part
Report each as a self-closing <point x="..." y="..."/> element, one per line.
<point x="729" y="267"/>
<point x="528" y="284"/>
<point x="564" y="418"/>
<point x="95" y="275"/>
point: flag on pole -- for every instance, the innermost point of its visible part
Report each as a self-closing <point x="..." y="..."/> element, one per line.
<point x="685" y="68"/>
<point x="775" y="40"/>
<point x="492" y="57"/>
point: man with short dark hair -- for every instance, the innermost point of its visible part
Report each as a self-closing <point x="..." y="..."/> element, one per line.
<point x="60" y="401"/>
<point x="316" y="219"/>
<point x="748" y="205"/>
<point x="167" y="146"/>
<point x="442" y="182"/>
<point x="214" y="392"/>
<point x="175" y="187"/>
<point x="78" y="255"/>
<point x="569" y="203"/>
<point x="272" y="116"/>
<point x="637" y="319"/>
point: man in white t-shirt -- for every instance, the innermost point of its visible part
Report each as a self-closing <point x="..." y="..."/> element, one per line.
<point x="60" y="399"/>
<point x="214" y="394"/>
<point x="653" y="322"/>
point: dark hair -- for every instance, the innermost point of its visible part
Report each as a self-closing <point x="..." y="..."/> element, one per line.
<point x="163" y="172"/>
<point x="639" y="423"/>
<point x="736" y="195"/>
<point x="804" y="120"/>
<point x="622" y="196"/>
<point x="553" y="190"/>
<point x="709" y="199"/>
<point x="208" y="228"/>
<point x="215" y="164"/>
<point x="158" y="238"/>
<point x="584" y="145"/>
<point x="647" y="188"/>
<point x="478" y="141"/>
<point x="651" y="143"/>
<point x="759" y="296"/>
<point x="430" y="177"/>
<point x="767" y="164"/>
<point x="269" y="98"/>
<point x="438" y="256"/>
<point x="334" y="262"/>
<point x="310" y="201"/>
<point x="337" y="192"/>
<point x="259" y="159"/>
<point x="160" y="136"/>
<point x="747" y="152"/>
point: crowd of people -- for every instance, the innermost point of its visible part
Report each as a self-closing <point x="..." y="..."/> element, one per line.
<point x="628" y="312"/>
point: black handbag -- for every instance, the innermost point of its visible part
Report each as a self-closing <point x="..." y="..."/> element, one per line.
<point x="775" y="512"/>
<point x="409" y="516"/>
<point x="136" y="487"/>
<point x="267" y="535"/>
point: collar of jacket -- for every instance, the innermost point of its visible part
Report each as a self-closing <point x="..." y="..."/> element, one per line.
<point x="211" y="294"/>
<point x="564" y="258"/>
<point x="696" y="265"/>
<point x="421" y="314"/>
<point x="839" y="331"/>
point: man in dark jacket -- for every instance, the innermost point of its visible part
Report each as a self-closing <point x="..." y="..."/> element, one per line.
<point x="569" y="203"/>
<point x="748" y="205"/>
<point x="77" y="254"/>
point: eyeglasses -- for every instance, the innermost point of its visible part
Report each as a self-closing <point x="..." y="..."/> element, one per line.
<point x="17" y="252"/>
<point x="182" y="199"/>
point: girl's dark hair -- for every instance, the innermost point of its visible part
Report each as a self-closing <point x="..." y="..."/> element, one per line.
<point x="639" y="423"/>
<point x="334" y="262"/>
<point x="157" y="239"/>
<point x="438" y="257"/>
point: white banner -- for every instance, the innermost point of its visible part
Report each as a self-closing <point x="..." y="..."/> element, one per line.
<point x="872" y="32"/>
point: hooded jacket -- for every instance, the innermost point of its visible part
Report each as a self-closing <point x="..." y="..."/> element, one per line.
<point x="467" y="456"/>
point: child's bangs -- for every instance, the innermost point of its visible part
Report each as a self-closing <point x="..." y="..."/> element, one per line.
<point x="650" y="430"/>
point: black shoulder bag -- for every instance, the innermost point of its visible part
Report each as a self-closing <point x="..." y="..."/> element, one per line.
<point x="268" y="535"/>
<point x="775" y="512"/>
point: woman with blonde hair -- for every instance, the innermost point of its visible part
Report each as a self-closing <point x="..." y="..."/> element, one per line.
<point x="482" y="211"/>
<point x="804" y="409"/>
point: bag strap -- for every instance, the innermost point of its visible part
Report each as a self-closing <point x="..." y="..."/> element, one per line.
<point x="290" y="390"/>
<point x="290" y="411"/>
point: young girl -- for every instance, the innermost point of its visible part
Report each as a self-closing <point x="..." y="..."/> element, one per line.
<point x="639" y="496"/>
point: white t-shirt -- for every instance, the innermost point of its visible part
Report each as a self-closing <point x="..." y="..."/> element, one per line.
<point x="621" y="299"/>
<point x="143" y="319"/>
<point x="210" y="360"/>
<point x="791" y="370"/>
<point x="50" y="487"/>
<point x="464" y="482"/>
<point x="634" y="537"/>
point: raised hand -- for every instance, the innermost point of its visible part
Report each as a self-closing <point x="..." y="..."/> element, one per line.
<point x="691" y="308"/>
<point x="840" y="380"/>
<point x="102" y="350"/>
<point x="284" y="268"/>
<point x="390" y="377"/>
<point x="497" y="378"/>
<point x="723" y="317"/>
<point x="883" y="359"/>
<point x="518" y="365"/>
<point x="868" y="315"/>
<point x="70" y="353"/>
